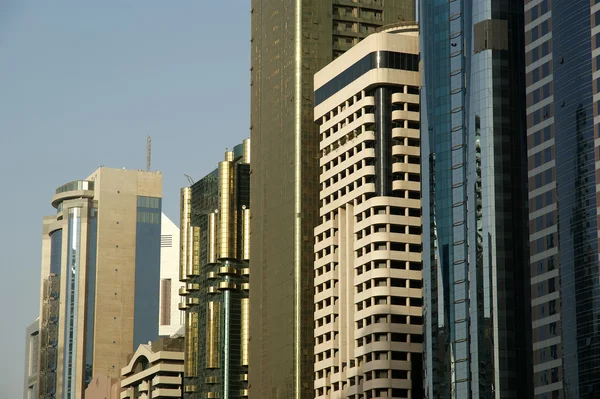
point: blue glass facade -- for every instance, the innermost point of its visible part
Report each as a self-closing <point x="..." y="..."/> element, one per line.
<point x="56" y="239"/>
<point x="562" y="49"/>
<point x="147" y="270"/>
<point x="72" y="298"/>
<point x="475" y="272"/>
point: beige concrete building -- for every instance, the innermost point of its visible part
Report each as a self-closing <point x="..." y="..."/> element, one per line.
<point x="368" y="279"/>
<point x="100" y="277"/>
<point x="103" y="387"/>
<point x="154" y="371"/>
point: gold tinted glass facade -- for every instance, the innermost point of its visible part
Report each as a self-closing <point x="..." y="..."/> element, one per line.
<point x="245" y="331"/>
<point x="191" y="345"/>
<point x="227" y="219"/>
<point x="218" y="295"/>
<point x="213" y="335"/>
<point x="189" y="261"/>
<point x="291" y="40"/>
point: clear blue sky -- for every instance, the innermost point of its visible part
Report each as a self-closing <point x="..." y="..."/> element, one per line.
<point x="82" y="83"/>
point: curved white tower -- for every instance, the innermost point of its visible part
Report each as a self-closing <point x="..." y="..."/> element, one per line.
<point x="368" y="279"/>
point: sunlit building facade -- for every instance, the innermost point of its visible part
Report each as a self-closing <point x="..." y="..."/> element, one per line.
<point x="155" y="370"/>
<point x="368" y="281"/>
<point x="100" y="277"/>
<point x="215" y="242"/>
<point x="291" y="41"/>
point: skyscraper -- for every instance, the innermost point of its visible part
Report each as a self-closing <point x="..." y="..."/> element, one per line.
<point x="291" y="40"/>
<point x="562" y="41"/>
<point x="100" y="277"/>
<point x="368" y="279"/>
<point x="215" y="237"/>
<point x="476" y="280"/>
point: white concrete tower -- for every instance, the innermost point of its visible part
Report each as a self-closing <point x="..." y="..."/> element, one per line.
<point x="368" y="279"/>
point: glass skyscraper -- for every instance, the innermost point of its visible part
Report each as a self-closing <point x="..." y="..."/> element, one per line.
<point x="476" y="274"/>
<point x="562" y="54"/>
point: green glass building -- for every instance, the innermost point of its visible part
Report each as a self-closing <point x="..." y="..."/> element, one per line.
<point x="291" y="41"/>
<point x="215" y="251"/>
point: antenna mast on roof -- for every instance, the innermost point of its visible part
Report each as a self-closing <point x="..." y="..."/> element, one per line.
<point x="148" y="153"/>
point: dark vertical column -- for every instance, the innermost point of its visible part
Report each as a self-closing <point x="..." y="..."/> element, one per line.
<point x="383" y="141"/>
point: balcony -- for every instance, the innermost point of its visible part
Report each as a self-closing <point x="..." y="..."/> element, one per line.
<point x="192" y="287"/>
<point x="227" y="285"/>
<point x="166" y="393"/>
<point x="227" y="270"/>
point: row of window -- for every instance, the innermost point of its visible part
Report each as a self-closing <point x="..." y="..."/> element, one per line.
<point x="374" y="60"/>
<point x="391" y="228"/>
<point x="539" y="10"/>
<point x="388" y="282"/>
<point x="148" y="202"/>
<point x="542" y="178"/>
<point x="389" y="337"/>
<point x="148" y="217"/>
<point x="395" y="319"/>
<point x="369" y="394"/>
<point x="389" y="246"/>
<point x="393" y="264"/>
<point x="541" y="72"/>
<point x="541" y="157"/>
<point x="389" y="300"/>
<point x="370" y="265"/>
<point x="369" y="110"/>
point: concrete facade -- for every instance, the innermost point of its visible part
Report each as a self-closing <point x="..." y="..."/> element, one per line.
<point x="100" y="277"/>
<point x="368" y="267"/>
<point x="103" y="387"/>
<point x="32" y="346"/>
<point x="155" y="370"/>
<point x="171" y="318"/>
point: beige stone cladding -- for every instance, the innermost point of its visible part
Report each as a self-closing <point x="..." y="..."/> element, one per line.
<point x="116" y="194"/>
<point x="368" y="279"/>
<point x="110" y="198"/>
<point x="103" y="387"/>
